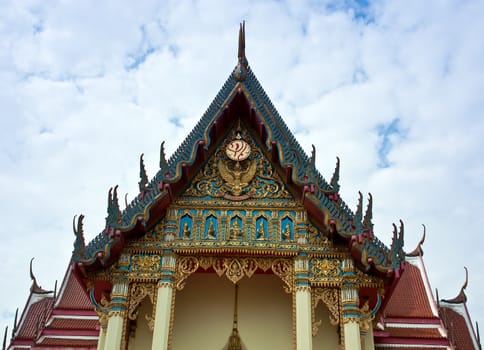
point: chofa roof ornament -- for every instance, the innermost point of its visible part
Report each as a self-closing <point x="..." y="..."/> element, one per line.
<point x="35" y="288"/>
<point x="240" y="71"/>
<point x="461" y="298"/>
<point x="418" y="251"/>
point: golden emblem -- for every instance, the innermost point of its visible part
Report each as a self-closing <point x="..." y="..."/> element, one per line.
<point x="238" y="149"/>
<point x="237" y="178"/>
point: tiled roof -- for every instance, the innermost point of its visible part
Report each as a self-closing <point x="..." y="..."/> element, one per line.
<point x="35" y="313"/>
<point x="78" y="344"/>
<point x="409" y="298"/>
<point x="54" y="323"/>
<point x="73" y="296"/>
<point x="414" y="332"/>
<point x="458" y="330"/>
<point x="73" y="323"/>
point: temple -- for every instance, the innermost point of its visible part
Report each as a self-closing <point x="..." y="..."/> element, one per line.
<point x="239" y="242"/>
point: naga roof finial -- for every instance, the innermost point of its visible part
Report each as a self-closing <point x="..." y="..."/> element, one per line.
<point x="79" y="243"/>
<point x="163" y="162"/>
<point x="367" y="223"/>
<point x="143" y="182"/>
<point x="357" y="221"/>
<point x="396" y="249"/>
<point x="418" y="251"/>
<point x="241" y="70"/>
<point x="461" y="298"/>
<point x="114" y="214"/>
<point x="313" y="156"/>
<point x="35" y="288"/>
<point x="335" y="178"/>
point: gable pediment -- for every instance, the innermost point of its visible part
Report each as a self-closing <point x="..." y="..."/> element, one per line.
<point x="238" y="174"/>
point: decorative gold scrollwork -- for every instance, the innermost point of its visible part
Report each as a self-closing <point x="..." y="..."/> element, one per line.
<point x="225" y="177"/>
<point x="325" y="270"/>
<point x="137" y="293"/>
<point x="146" y="266"/>
<point x="366" y="317"/>
<point x="185" y="267"/>
<point x="330" y="297"/>
<point x="285" y="270"/>
<point x="235" y="268"/>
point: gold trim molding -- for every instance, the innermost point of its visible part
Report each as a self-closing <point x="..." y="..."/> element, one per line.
<point x="235" y="268"/>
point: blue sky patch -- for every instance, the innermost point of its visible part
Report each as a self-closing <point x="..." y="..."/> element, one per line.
<point x="388" y="133"/>
<point x="38" y="27"/>
<point x="360" y="9"/>
<point x="140" y="54"/>
<point x="175" y="120"/>
<point x="359" y="76"/>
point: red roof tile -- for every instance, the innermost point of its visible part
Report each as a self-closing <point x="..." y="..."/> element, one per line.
<point x="409" y="298"/>
<point x="73" y="295"/>
<point x="73" y="323"/>
<point x="33" y="319"/>
<point x="457" y="327"/>
<point x="68" y="343"/>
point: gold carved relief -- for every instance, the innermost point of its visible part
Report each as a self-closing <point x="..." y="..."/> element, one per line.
<point x="325" y="270"/>
<point x="238" y="176"/>
<point x="186" y="265"/>
<point x="145" y="267"/>
<point x="366" y="318"/>
<point x="234" y="268"/>
<point x="330" y="297"/>
<point x="137" y="293"/>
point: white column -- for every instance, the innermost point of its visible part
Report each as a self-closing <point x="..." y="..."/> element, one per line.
<point x="116" y="315"/>
<point x="161" y="332"/>
<point x="367" y="339"/>
<point x="102" y="336"/>
<point x="304" y="337"/>
<point x="350" y="307"/>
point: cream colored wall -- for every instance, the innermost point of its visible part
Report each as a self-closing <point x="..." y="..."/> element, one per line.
<point x="204" y="313"/>
<point x="143" y="336"/>
<point x="327" y="337"/>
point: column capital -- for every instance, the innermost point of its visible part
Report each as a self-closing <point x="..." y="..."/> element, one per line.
<point x="301" y="271"/>
<point x="350" y="303"/>
<point x="119" y="293"/>
<point x="168" y="266"/>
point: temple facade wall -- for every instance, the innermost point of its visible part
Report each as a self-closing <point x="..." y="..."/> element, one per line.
<point x="204" y="313"/>
<point x="327" y="336"/>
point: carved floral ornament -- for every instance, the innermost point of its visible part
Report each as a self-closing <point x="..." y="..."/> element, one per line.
<point x="234" y="268"/>
<point x="137" y="293"/>
<point x="330" y="297"/>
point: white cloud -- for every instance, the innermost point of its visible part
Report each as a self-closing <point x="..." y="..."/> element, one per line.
<point x="75" y="119"/>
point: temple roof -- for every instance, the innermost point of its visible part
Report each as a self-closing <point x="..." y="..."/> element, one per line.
<point x="460" y="335"/>
<point x="242" y="97"/>
<point x="456" y="318"/>
<point x="410" y="298"/>
<point x="64" y="320"/>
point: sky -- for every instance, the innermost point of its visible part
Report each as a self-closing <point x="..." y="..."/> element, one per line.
<point x="394" y="88"/>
